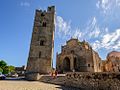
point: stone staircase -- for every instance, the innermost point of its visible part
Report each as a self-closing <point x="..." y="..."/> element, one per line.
<point x="60" y="79"/>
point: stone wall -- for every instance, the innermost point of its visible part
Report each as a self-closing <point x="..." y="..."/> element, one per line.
<point x="93" y="81"/>
<point x="112" y="62"/>
<point x="97" y="62"/>
<point x="32" y="76"/>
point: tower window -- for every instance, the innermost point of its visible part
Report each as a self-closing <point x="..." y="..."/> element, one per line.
<point x="72" y="51"/>
<point x="49" y="8"/>
<point x="59" y="66"/>
<point x="88" y="65"/>
<point x="42" y="42"/>
<point x="39" y="54"/>
<point x="42" y="14"/>
<point x="44" y="24"/>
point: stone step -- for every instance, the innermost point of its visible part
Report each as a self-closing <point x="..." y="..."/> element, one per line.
<point x="50" y="79"/>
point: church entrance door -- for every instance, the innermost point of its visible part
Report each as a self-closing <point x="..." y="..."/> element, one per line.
<point x="66" y="64"/>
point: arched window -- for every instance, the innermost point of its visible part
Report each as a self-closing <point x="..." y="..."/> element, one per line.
<point x="44" y="24"/>
<point x="42" y="43"/>
<point x="88" y="65"/>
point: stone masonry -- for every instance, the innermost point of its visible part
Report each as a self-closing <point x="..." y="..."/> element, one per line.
<point x="112" y="62"/>
<point x="79" y="57"/>
<point x="42" y="44"/>
<point x="93" y="81"/>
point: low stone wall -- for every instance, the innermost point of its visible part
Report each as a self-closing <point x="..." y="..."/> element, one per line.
<point x="93" y="81"/>
<point x="82" y="80"/>
<point x="32" y="76"/>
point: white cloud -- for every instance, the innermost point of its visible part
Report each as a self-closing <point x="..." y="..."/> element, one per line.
<point x="25" y="4"/>
<point x="105" y="5"/>
<point x="89" y="32"/>
<point x="109" y="8"/>
<point x="77" y="34"/>
<point x="112" y="37"/>
<point x="117" y="46"/>
<point x="95" y="33"/>
<point x="92" y="29"/>
<point x="100" y="38"/>
<point x="62" y="27"/>
<point x="106" y="38"/>
<point x="96" y="45"/>
<point x="108" y="41"/>
<point x="106" y="30"/>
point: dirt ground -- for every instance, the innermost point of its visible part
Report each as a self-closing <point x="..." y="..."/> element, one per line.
<point x="30" y="85"/>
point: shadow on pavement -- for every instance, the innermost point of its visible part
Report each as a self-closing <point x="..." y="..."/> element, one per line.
<point x="15" y="79"/>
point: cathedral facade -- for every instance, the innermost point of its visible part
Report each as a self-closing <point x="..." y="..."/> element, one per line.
<point x="79" y="57"/>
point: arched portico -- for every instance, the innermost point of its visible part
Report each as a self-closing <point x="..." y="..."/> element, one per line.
<point x="66" y="64"/>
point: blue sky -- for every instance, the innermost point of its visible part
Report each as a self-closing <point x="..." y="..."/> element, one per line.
<point x="96" y="21"/>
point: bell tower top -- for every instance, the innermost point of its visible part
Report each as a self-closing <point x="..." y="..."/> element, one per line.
<point x="49" y="9"/>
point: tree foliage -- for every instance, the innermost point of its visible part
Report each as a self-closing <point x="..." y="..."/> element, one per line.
<point x="4" y="68"/>
<point x="2" y="64"/>
<point x="1" y="70"/>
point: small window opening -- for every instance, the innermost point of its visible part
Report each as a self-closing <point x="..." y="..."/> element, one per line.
<point x="39" y="54"/>
<point x="44" y="24"/>
<point x="88" y="65"/>
<point x="42" y="42"/>
<point x="42" y="14"/>
<point x="59" y="66"/>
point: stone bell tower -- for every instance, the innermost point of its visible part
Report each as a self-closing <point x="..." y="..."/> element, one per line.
<point x="42" y="43"/>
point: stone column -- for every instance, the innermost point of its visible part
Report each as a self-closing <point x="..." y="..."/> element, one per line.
<point x="72" y="63"/>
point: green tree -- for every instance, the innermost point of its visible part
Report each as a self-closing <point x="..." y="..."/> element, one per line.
<point x="5" y="69"/>
<point x="2" y="64"/>
<point x="1" y="70"/>
<point x="11" y="68"/>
